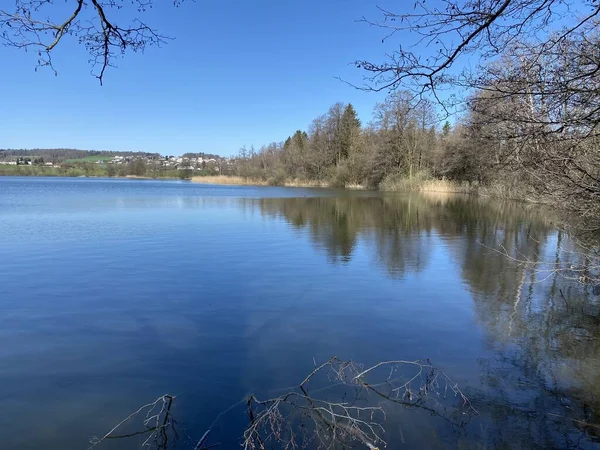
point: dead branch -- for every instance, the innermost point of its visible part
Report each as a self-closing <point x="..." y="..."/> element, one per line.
<point x="300" y="418"/>
<point x="32" y="24"/>
<point x="437" y="36"/>
<point x="157" y="423"/>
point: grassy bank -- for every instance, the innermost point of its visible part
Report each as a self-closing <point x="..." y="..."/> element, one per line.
<point x="508" y="188"/>
<point x="83" y="170"/>
<point x="229" y="180"/>
<point x="400" y="185"/>
<point x="424" y="184"/>
<point x="41" y="171"/>
<point x="418" y="183"/>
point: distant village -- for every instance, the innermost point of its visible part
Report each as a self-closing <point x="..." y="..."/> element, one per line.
<point x="172" y="162"/>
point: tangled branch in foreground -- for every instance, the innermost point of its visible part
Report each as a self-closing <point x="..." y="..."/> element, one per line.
<point x="299" y="420"/>
<point x="340" y="404"/>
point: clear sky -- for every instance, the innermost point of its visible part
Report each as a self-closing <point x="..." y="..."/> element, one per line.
<point x="238" y="73"/>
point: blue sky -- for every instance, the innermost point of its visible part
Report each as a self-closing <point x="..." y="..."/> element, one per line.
<point x="238" y="73"/>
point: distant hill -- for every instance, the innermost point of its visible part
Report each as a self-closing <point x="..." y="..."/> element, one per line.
<point x="63" y="154"/>
<point x="202" y="155"/>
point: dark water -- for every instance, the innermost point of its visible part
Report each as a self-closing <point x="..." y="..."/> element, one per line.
<point x="115" y="292"/>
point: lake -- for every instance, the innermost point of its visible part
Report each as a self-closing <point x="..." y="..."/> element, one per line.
<point x="115" y="292"/>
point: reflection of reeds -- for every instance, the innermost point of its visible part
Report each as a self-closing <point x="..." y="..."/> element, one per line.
<point x="439" y="197"/>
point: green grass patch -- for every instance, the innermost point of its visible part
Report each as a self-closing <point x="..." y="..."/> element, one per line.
<point x="92" y="159"/>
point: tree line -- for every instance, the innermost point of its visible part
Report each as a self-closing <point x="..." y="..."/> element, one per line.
<point x="337" y="148"/>
<point x="404" y="145"/>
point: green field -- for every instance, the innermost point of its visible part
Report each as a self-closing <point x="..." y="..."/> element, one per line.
<point x="91" y="159"/>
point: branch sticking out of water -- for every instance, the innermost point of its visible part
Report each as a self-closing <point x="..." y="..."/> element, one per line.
<point x="156" y="422"/>
<point x="298" y="420"/>
<point x="352" y="413"/>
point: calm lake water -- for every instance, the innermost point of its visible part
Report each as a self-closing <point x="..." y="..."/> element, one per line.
<point x="114" y="292"/>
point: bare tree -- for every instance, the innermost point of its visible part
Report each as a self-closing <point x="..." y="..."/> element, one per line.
<point x="541" y="113"/>
<point x="41" y="25"/>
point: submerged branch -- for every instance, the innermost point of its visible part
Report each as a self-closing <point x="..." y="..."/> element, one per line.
<point x="299" y="419"/>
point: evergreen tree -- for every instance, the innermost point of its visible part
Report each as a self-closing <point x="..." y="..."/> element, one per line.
<point x="446" y="129"/>
<point x="349" y="130"/>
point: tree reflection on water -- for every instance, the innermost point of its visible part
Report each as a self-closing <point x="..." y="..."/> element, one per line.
<point x="541" y="387"/>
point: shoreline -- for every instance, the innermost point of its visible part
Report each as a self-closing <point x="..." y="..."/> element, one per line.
<point x="126" y="177"/>
<point x="433" y="186"/>
<point x="430" y="186"/>
<point x="228" y="180"/>
<point x="232" y="180"/>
